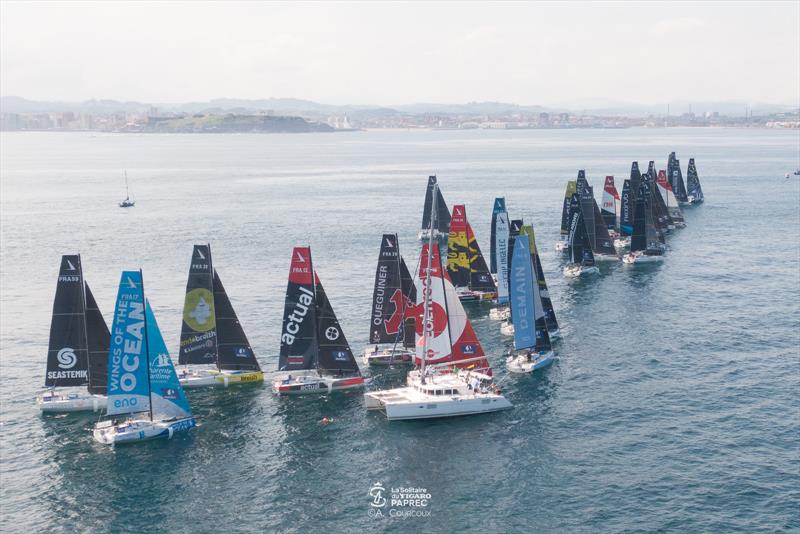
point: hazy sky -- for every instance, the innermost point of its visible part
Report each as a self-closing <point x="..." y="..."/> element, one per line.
<point x="397" y="53"/>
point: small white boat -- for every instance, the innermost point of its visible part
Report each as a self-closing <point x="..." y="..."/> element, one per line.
<point x="507" y="327"/>
<point x="78" y="349"/>
<point x="128" y="202"/>
<point x="387" y="356"/>
<point x="315" y="356"/>
<point x="142" y="383"/>
<point x="527" y="362"/>
<point x="500" y="313"/>
<point x="577" y="270"/>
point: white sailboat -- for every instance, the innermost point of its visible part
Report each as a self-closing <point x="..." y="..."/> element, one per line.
<point x="142" y="383"/>
<point x="128" y="202"/>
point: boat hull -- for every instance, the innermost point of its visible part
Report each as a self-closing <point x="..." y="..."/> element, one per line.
<point x="388" y="356"/>
<point x="636" y="257"/>
<point x="137" y="430"/>
<point x="214" y="378"/>
<point x="606" y="257"/>
<point x="519" y="363"/>
<point x="71" y="402"/>
<point x="575" y="271"/>
<point x="293" y="384"/>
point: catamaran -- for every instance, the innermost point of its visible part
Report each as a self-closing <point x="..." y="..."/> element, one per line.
<point x="676" y="178"/>
<point x="213" y="341"/>
<point x="694" y="193"/>
<point x="646" y="243"/>
<point x="610" y="207"/>
<point x="142" y="383"/>
<point x="454" y="377"/>
<point x="394" y="293"/>
<point x="561" y="244"/>
<point x="601" y="242"/>
<point x="128" y="202"/>
<point x="533" y="349"/>
<point x="581" y="258"/>
<point x="78" y="351"/>
<point x="674" y="210"/>
<point x="442" y="224"/>
<point x="315" y="356"/>
<point x="500" y="242"/>
<point x="465" y="263"/>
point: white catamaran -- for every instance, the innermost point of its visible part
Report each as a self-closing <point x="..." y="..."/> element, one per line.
<point x="315" y="356"/>
<point x="214" y="350"/>
<point x="78" y="348"/>
<point x="142" y="383"/>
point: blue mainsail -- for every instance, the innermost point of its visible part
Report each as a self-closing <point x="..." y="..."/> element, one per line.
<point x="501" y="251"/>
<point x="128" y="388"/>
<point x="166" y="394"/>
<point x="522" y="287"/>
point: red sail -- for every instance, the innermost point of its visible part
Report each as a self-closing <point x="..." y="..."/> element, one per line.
<point x="300" y="269"/>
<point x="611" y="188"/>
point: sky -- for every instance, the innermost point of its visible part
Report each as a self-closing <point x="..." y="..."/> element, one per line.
<point x="385" y="53"/>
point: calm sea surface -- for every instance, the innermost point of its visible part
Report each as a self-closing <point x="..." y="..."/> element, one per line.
<point x="674" y="403"/>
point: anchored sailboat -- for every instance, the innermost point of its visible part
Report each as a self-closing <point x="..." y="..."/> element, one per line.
<point x="142" y="383"/>
<point x="561" y="244"/>
<point x="441" y="226"/>
<point x="674" y="210"/>
<point x="581" y="258"/>
<point x="128" y="202"/>
<point x="454" y="376"/>
<point x="465" y="263"/>
<point x="77" y="354"/>
<point x="694" y="193"/>
<point x="533" y="349"/>
<point x="315" y="356"/>
<point x="213" y="341"/>
<point x="394" y="293"/>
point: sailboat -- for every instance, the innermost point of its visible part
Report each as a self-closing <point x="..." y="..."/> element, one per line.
<point x="625" y="216"/>
<point x="442" y="225"/>
<point x="128" y="202"/>
<point x="610" y="206"/>
<point x="581" y="258"/>
<point x="646" y="244"/>
<point x="465" y="263"/>
<point x="694" y="193"/>
<point x="600" y="241"/>
<point x="663" y="221"/>
<point x="561" y="244"/>
<point x="498" y="209"/>
<point x="142" y="383"/>
<point x="315" y="356"/>
<point x="676" y="178"/>
<point x="674" y="210"/>
<point x="78" y="349"/>
<point x="213" y="341"/>
<point x="394" y="293"/>
<point x="500" y="246"/>
<point x="454" y="377"/>
<point x="533" y="349"/>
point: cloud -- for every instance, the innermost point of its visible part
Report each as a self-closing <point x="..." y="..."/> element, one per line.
<point x="677" y="25"/>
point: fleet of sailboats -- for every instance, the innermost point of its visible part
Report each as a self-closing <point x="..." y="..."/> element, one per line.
<point x="415" y="319"/>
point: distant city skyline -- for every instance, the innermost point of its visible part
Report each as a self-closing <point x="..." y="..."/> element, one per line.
<point x="569" y="55"/>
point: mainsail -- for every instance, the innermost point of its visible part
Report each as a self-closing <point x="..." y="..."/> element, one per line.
<point x="693" y="183"/>
<point x="334" y="354"/>
<point x="530" y="328"/>
<point x="660" y="213"/>
<point x="572" y="187"/>
<point x="67" y="353"/>
<point x="665" y="188"/>
<point x="596" y="230"/>
<point x="199" y="328"/>
<point x="299" y="331"/>
<point x="580" y="249"/>
<point x="638" y="235"/>
<point x="626" y="209"/>
<point x="610" y="201"/>
<point x="167" y="399"/>
<point x="410" y="293"/>
<point x="234" y="352"/>
<point x="480" y="277"/>
<point x="98" y="340"/>
<point x="676" y="178"/>
<point x="442" y="213"/>
<point x="513" y="232"/>
<point x="538" y="272"/>
<point x="458" y="261"/>
<point x="391" y="296"/>
<point x="502" y="254"/>
<point x="448" y="332"/>
<point x="498" y="209"/>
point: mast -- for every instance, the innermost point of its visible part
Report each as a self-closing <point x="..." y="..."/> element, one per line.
<point x="146" y="349"/>
<point x="85" y="329"/>
<point x="213" y="299"/>
<point x="401" y="332"/>
<point x="426" y="291"/>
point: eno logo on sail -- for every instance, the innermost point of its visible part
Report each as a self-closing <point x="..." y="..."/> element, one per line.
<point x="127" y="347"/>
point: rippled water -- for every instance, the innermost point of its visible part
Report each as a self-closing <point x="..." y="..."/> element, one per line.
<point x="673" y="404"/>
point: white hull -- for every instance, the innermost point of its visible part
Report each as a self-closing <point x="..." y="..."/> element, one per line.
<point x="71" y="402"/>
<point x="446" y="395"/>
<point x="561" y="246"/>
<point x="109" y="433"/>
<point x="388" y="356"/>
<point x="638" y="257"/>
<point x="468" y="295"/>
<point x="507" y="328"/>
<point x="606" y="257"/>
<point x="501" y="313"/>
<point x="197" y="378"/>
<point x="519" y="363"/>
<point x="304" y="382"/>
<point x="575" y="271"/>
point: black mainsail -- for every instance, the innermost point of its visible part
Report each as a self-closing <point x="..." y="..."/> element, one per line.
<point x="299" y="346"/>
<point x="67" y="353"/>
<point x="693" y="183"/>
<point x="544" y="296"/>
<point x="626" y="209"/>
<point x="676" y="178"/>
<point x="234" y="352"/>
<point x="580" y="249"/>
<point x="334" y="354"/>
<point x="392" y="295"/>
<point x="442" y="213"/>
<point x="98" y="341"/>
<point x="198" y="343"/>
